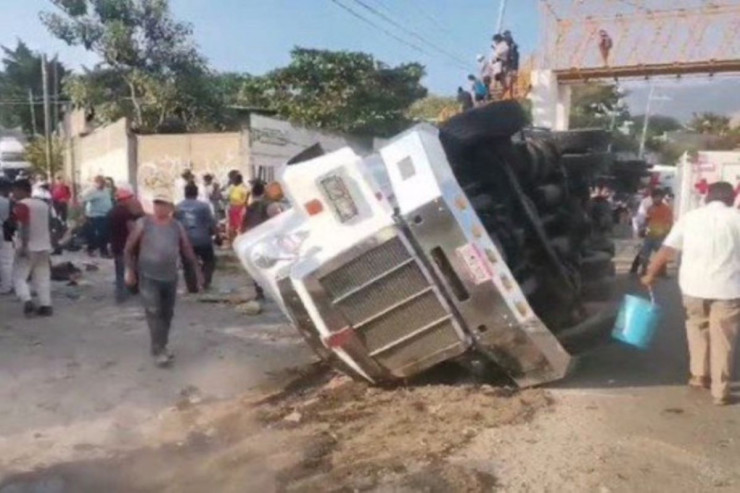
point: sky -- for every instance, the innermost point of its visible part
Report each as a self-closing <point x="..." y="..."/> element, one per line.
<point x="255" y="36"/>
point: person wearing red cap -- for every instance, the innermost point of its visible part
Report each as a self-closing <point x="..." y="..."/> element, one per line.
<point x="122" y="220"/>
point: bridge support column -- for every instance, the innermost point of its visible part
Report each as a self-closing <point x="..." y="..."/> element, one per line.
<point x="550" y="101"/>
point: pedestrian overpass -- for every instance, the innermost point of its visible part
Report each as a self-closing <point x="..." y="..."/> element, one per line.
<point x="649" y="39"/>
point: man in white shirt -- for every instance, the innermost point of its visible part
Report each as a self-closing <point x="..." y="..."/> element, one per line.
<point x="33" y="250"/>
<point x="709" y="241"/>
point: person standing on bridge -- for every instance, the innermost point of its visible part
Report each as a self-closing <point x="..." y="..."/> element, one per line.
<point x="605" y="46"/>
<point x="709" y="241"/>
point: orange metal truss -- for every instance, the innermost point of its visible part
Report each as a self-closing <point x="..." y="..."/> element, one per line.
<point x="650" y="37"/>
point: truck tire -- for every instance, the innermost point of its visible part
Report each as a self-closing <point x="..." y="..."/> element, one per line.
<point x="596" y="265"/>
<point x="495" y="121"/>
<point x="582" y="141"/>
<point x="582" y="163"/>
<point x="600" y="290"/>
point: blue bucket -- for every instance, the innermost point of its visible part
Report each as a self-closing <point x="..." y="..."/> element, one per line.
<point x="637" y="321"/>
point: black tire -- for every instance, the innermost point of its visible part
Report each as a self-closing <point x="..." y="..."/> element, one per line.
<point x="549" y="196"/>
<point x="600" y="290"/>
<point x="604" y="244"/>
<point x="583" y="163"/>
<point x="582" y="141"/>
<point x="495" y="121"/>
<point x="596" y="265"/>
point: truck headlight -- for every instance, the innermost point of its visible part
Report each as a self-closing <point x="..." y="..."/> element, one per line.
<point x="278" y="248"/>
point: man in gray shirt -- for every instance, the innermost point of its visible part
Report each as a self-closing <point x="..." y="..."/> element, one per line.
<point x="151" y="253"/>
<point x="197" y="218"/>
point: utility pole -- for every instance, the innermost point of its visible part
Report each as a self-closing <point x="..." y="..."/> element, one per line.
<point x="646" y="122"/>
<point x="501" y="12"/>
<point x="32" y="106"/>
<point x="55" y="73"/>
<point x="47" y="114"/>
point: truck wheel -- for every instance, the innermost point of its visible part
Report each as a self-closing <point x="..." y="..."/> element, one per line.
<point x="582" y="163"/>
<point x="596" y="265"/>
<point x="582" y="141"/>
<point x="600" y="290"/>
<point x="493" y="121"/>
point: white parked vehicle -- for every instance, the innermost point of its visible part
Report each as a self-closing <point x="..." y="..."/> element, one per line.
<point x="12" y="157"/>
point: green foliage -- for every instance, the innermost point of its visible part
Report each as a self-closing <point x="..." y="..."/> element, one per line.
<point x="21" y="71"/>
<point x="151" y="70"/>
<point x="339" y="91"/>
<point x="710" y="123"/>
<point x="35" y="154"/>
<point x="431" y="107"/>
<point x="597" y="106"/>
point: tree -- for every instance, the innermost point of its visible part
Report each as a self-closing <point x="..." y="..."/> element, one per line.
<point x="432" y="107"/>
<point x="710" y="123"/>
<point x="339" y="91"/>
<point x="151" y="70"/>
<point x="35" y="154"/>
<point x="21" y="72"/>
<point x="597" y="106"/>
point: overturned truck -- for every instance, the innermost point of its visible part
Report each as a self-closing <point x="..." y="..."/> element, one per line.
<point x="479" y="243"/>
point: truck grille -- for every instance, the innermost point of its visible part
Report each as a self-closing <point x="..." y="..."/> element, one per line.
<point x="392" y="307"/>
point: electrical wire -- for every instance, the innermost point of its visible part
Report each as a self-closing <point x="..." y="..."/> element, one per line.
<point x="408" y="32"/>
<point x="436" y="25"/>
<point x="385" y="31"/>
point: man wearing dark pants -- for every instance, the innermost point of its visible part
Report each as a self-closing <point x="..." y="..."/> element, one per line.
<point x="122" y="221"/>
<point x="98" y="204"/>
<point x="197" y="218"/>
<point x="158" y="241"/>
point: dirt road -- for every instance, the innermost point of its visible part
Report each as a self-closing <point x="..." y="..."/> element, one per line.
<point x="84" y="410"/>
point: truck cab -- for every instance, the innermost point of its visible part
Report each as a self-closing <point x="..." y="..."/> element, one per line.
<point x="389" y="274"/>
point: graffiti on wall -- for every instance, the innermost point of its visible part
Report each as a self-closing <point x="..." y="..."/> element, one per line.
<point x="162" y="175"/>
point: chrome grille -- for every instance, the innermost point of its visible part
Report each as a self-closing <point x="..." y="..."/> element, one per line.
<point x="396" y="312"/>
<point x="428" y="344"/>
<point x="365" y="268"/>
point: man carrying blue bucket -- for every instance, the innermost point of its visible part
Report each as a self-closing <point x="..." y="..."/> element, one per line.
<point x="709" y="241"/>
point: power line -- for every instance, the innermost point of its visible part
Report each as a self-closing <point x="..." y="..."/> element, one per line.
<point x="437" y="25"/>
<point x="413" y="34"/>
<point x="385" y="31"/>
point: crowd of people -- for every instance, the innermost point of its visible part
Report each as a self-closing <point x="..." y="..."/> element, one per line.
<point x="497" y="74"/>
<point x="183" y="229"/>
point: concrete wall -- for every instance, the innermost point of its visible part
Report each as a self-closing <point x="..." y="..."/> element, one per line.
<point x="162" y="158"/>
<point x="107" y="151"/>
<point x="550" y="101"/>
